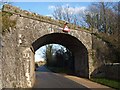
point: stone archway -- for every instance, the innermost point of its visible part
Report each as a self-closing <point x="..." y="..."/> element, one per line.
<point x="34" y="29"/>
<point x="73" y="44"/>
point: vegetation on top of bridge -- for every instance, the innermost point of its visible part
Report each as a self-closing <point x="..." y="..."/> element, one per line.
<point x="6" y="22"/>
<point x="23" y="13"/>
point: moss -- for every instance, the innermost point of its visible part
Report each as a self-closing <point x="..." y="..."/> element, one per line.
<point x="85" y="28"/>
<point x="16" y="11"/>
<point x="6" y="22"/>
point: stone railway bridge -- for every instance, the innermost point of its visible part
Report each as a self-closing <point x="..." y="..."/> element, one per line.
<point x="31" y="31"/>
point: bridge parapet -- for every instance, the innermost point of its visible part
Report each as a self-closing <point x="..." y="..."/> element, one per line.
<point x="27" y="14"/>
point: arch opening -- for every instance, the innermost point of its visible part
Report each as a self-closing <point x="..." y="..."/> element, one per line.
<point x="56" y="58"/>
<point x="78" y="49"/>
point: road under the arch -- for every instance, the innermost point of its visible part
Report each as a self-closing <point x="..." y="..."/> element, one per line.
<point x="48" y="79"/>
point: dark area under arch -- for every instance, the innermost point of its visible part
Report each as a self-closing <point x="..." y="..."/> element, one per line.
<point x="73" y="44"/>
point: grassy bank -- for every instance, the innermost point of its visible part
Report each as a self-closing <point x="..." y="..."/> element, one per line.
<point x="111" y="83"/>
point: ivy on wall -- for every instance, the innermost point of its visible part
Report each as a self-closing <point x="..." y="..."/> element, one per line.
<point x="6" y="22"/>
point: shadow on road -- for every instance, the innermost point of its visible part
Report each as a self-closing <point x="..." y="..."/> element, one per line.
<point x="47" y="79"/>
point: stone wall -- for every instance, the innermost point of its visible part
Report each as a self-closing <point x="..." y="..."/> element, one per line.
<point x="104" y="53"/>
<point x="18" y="52"/>
<point x="17" y="62"/>
<point x="28" y="66"/>
<point x="0" y="64"/>
<point x="0" y="53"/>
<point x="109" y="71"/>
<point x="10" y="60"/>
<point x="32" y="31"/>
<point x="14" y="66"/>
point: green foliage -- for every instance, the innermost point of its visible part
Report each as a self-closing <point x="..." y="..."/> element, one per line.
<point x="111" y="83"/>
<point x="16" y="11"/>
<point x="7" y="22"/>
<point x="84" y="28"/>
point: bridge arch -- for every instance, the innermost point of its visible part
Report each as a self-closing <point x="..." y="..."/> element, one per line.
<point x="32" y="30"/>
<point x="78" y="49"/>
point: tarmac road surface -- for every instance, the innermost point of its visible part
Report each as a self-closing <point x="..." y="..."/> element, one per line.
<point x="48" y="79"/>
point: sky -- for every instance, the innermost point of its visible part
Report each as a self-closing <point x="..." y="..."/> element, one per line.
<point x="46" y="8"/>
<point x="39" y="56"/>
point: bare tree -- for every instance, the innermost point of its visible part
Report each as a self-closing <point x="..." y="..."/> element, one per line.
<point x="65" y="13"/>
<point x="102" y="16"/>
<point x="57" y="14"/>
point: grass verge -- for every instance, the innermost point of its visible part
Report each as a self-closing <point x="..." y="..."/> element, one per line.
<point x="111" y="83"/>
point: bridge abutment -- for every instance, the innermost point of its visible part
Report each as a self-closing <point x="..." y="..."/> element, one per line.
<point x="29" y="66"/>
<point x="91" y="59"/>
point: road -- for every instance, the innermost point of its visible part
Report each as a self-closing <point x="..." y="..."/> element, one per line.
<point x="47" y="79"/>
